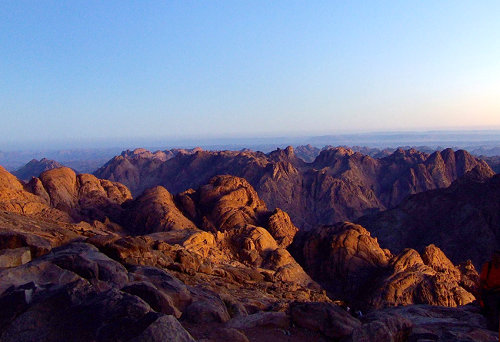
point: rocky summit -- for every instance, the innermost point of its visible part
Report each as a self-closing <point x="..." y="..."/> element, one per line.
<point x="35" y="167"/>
<point x="82" y="260"/>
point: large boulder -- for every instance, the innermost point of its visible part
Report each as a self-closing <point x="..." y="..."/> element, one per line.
<point x="329" y="319"/>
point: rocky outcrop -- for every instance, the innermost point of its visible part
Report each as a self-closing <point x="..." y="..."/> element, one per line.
<point x="346" y="260"/>
<point x="307" y="152"/>
<point x="155" y="211"/>
<point x="228" y="202"/>
<point x="224" y="220"/>
<point x="83" y="196"/>
<point x="15" y="198"/>
<point x="340" y="184"/>
<point x="59" y="194"/>
<point x="79" y="293"/>
<point x="463" y="220"/>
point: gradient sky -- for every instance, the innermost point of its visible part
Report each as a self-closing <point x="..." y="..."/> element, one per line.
<point x="103" y="70"/>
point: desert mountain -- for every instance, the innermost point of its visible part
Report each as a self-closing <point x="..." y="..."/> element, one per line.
<point x="210" y="263"/>
<point x="463" y="219"/>
<point x="338" y="185"/>
<point x="35" y="167"/>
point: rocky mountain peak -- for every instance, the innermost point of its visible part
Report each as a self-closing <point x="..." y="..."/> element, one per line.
<point x="35" y="167"/>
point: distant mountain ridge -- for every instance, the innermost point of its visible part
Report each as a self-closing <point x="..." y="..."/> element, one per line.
<point x="35" y="167"/>
<point x="340" y="184"/>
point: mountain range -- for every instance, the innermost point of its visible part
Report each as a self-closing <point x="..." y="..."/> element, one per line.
<point x="198" y="249"/>
<point x="338" y="185"/>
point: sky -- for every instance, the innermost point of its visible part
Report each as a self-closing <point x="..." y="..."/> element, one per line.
<point x="103" y="71"/>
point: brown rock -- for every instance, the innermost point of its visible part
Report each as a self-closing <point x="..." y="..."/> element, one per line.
<point x="157" y="299"/>
<point x="281" y="228"/>
<point x="83" y="196"/>
<point x="260" y="319"/>
<point x="165" y="328"/>
<point x="349" y="262"/>
<point x="14" y="257"/>
<point x="230" y="202"/>
<point x="338" y="185"/>
<point x="207" y="307"/>
<point x="165" y="282"/>
<point x="155" y="211"/>
<point x="329" y="319"/>
<point x="35" y="167"/>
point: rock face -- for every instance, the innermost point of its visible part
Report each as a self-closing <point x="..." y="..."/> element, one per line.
<point x="338" y="185"/>
<point x="35" y="167"/>
<point x="463" y="219"/>
<point x="346" y="260"/>
<point x="331" y="320"/>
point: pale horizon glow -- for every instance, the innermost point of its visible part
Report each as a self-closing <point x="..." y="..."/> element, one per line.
<point x="84" y="71"/>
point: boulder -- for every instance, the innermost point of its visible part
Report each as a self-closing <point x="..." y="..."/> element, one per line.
<point x="155" y="211"/>
<point x="14" y="257"/>
<point x="329" y="319"/>
<point x="281" y="228"/>
<point x="164" y="328"/>
<point x="260" y="319"/>
<point x="207" y="307"/>
<point x="158" y="300"/>
<point x="14" y="239"/>
<point x="165" y="282"/>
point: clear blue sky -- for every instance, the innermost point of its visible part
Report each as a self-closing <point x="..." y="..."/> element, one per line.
<point x="103" y="70"/>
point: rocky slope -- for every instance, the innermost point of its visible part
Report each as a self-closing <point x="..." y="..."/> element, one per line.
<point x="348" y="262"/>
<point x="493" y="162"/>
<point x="208" y="264"/>
<point x="338" y="185"/>
<point x="35" y="167"/>
<point x="463" y="219"/>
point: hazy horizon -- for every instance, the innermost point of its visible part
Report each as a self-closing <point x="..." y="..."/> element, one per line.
<point x="87" y="73"/>
<point x="396" y="138"/>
